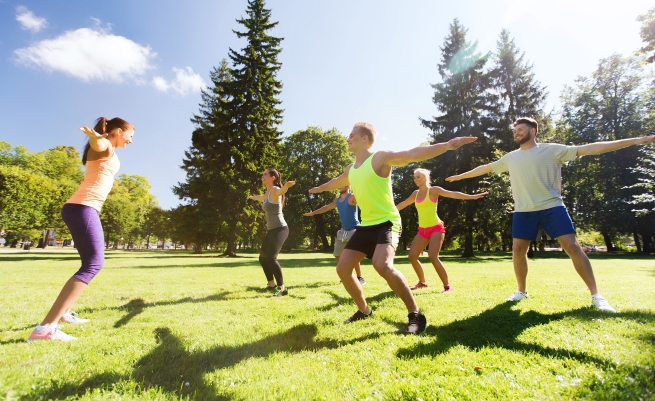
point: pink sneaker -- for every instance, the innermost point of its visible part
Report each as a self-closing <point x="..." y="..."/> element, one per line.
<point x="49" y="333"/>
<point x="419" y="285"/>
<point x="447" y="290"/>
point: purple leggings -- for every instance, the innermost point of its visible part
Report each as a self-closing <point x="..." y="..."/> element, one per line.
<point x="84" y="224"/>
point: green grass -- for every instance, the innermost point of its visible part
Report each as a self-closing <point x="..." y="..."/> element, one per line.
<point x="161" y="320"/>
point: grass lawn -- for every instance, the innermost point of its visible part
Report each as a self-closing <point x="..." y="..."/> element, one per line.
<point x="171" y="325"/>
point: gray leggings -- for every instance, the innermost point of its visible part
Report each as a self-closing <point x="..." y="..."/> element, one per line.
<point x="271" y="247"/>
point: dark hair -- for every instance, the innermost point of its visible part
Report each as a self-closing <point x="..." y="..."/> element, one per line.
<point x="527" y="120"/>
<point x="104" y="126"/>
<point x="277" y="181"/>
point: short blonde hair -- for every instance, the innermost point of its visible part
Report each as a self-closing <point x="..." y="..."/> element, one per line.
<point x="426" y="173"/>
<point x="367" y="130"/>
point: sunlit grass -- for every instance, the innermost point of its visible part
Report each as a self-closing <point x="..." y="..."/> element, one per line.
<point x="171" y="325"/>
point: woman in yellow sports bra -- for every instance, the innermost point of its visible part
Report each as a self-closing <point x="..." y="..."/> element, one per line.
<point x="431" y="230"/>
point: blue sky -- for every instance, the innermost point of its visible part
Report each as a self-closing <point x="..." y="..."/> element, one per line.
<point x="63" y="64"/>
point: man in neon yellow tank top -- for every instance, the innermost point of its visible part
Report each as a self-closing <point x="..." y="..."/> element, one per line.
<point x="377" y="236"/>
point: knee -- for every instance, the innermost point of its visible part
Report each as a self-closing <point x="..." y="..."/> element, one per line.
<point x="384" y="269"/>
<point x="413" y="256"/>
<point x="520" y="249"/>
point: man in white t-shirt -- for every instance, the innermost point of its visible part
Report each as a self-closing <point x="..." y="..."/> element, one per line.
<point x="536" y="180"/>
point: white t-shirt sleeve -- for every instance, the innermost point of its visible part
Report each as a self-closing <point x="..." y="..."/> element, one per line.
<point x="500" y="166"/>
<point x="563" y="153"/>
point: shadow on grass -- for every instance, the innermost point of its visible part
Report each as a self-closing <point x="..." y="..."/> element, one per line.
<point x="247" y="262"/>
<point x="170" y="365"/>
<point x="136" y="306"/>
<point x="14" y="341"/>
<point x="343" y="300"/>
<point x="500" y="327"/>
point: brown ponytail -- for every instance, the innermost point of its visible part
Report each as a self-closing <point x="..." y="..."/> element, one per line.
<point x="277" y="181"/>
<point x="104" y="126"/>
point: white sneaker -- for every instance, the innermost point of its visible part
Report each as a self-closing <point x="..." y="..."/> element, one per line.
<point x="518" y="296"/>
<point x="71" y="317"/>
<point x="51" y="333"/>
<point x="602" y="304"/>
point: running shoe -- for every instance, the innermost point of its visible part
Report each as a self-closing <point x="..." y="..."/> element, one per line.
<point x="447" y="290"/>
<point x="52" y="333"/>
<point x="361" y="280"/>
<point x="270" y="288"/>
<point x="359" y="315"/>
<point x="417" y="323"/>
<point x="518" y="296"/>
<point x="71" y="317"/>
<point x="602" y="304"/>
<point x="281" y="293"/>
<point x="420" y="284"/>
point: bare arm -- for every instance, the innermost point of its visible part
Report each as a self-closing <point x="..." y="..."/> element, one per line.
<point x="609" y="146"/>
<point x="275" y="191"/>
<point x="323" y="209"/>
<point x="478" y="171"/>
<point x="407" y="201"/>
<point x="97" y="142"/>
<point x="352" y="201"/>
<point x="456" y="195"/>
<point x="333" y="184"/>
<point x="258" y="198"/>
<point x="421" y="153"/>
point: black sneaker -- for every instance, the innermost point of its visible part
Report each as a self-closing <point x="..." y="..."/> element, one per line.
<point x="359" y="315"/>
<point x="417" y="323"/>
<point x="361" y="280"/>
<point x="281" y="293"/>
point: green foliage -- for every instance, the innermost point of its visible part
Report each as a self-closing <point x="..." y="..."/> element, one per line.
<point x="126" y="208"/>
<point x="312" y="156"/>
<point x="647" y="33"/>
<point x="34" y="186"/>
<point x="607" y="106"/>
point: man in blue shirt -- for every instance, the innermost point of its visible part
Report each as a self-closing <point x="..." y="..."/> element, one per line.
<point x="346" y="205"/>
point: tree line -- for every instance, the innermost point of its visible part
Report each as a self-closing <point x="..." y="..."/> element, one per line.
<point x="236" y="136"/>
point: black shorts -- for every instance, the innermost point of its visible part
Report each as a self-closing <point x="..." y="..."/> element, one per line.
<point x="366" y="238"/>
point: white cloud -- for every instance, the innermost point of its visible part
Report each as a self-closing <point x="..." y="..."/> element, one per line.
<point x="29" y="21"/>
<point x="89" y="55"/>
<point x="186" y="81"/>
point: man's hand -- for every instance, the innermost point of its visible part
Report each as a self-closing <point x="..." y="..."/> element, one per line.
<point x="453" y="178"/>
<point x="310" y="214"/>
<point x="315" y="190"/>
<point x="460" y="141"/>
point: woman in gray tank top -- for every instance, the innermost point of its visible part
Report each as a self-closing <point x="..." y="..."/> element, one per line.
<point x="278" y="231"/>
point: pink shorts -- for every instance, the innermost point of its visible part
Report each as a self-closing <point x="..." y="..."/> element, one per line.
<point x="427" y="232"/>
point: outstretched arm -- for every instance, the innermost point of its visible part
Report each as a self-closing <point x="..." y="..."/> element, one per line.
<point x="275" y="191"/>
<point x="478" y="171"/>
<point x="333" y="184"/>
<point x="609" y="146"/>
<point x="323" y="209"/>
<point x="457" y="195"/>
<point x="421" y="153"/>
<point x="406" y="202"/>
<point x="98" y="143"/>
<point x="258" y="198"/>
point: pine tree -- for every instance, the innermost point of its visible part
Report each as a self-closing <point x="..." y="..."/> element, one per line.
<point x="236" y="135"/>
<point x="520" y="95"/>
<point x="468" y="107"/>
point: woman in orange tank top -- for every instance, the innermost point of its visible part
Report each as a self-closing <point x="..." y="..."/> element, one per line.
<point x="81" y="213"/>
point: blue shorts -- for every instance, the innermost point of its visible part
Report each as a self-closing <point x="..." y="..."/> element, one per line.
<point x="554" y="221"/>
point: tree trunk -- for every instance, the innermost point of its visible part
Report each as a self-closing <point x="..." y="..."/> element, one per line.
<point x="608" y="242"/>
<point x="320" y="230"/>
<point x="637" y="242"/>
<point x="468" y="236"/>
<point x="230" y="250"/>
<point x="646" y="239"/>
<point x="198" y="250"/>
